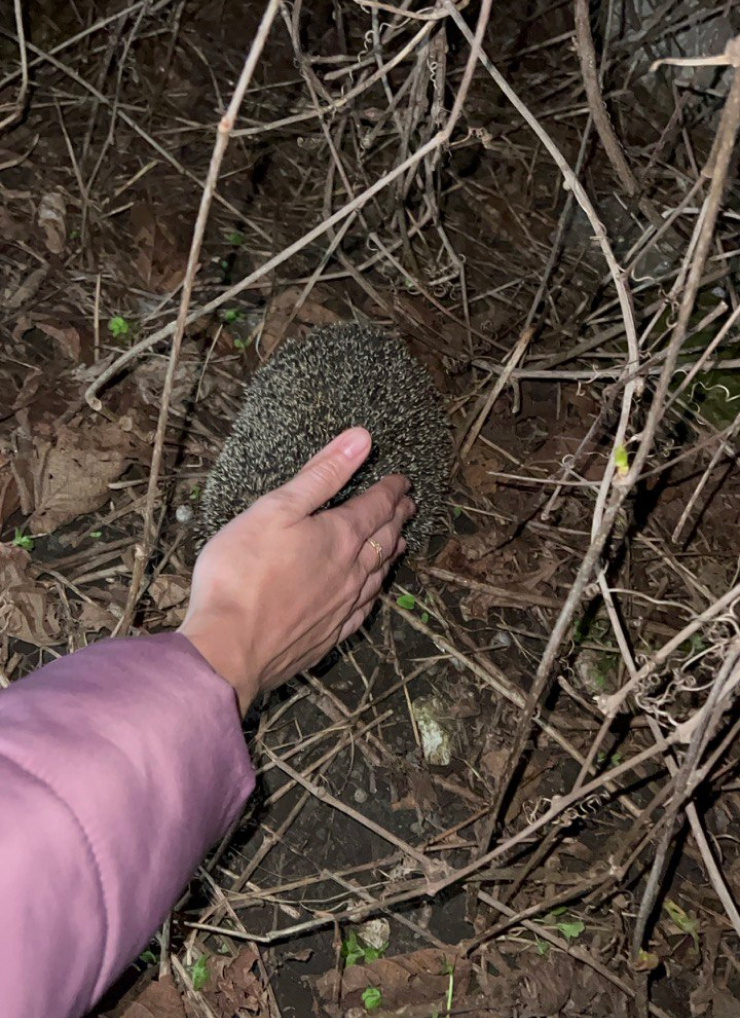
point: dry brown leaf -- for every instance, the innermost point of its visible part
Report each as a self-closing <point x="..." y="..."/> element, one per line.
<point x="235" y="987"/>
<point x="548" y="985"/>
<point x="724" y="1004"/>
<point x="149" y="378"/>
<point x="279" y="316"/>
<point x="60" y="481"/>
<point x="25" y="609"/>
<point x="94" y="617"/>
<point x="25" y="292"/>
<point x="478" y="467"/>
<point x="157" y="1000"/>
<point x="420" y="977"/>
<point x="68" y="337"/>
<point x="158" y="259"/>
<point x="9" y="499"/>
<point x="52" y="218"/>
<point x="167" y="591"/>
<point x="12" y="229"/>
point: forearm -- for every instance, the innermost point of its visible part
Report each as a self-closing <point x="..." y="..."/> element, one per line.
<point x="119" y="767"/>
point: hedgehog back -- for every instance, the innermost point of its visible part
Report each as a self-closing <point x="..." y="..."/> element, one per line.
<point x="312" y="389"/>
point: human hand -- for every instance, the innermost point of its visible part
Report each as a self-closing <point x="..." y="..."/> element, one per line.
<point x="278" y="587"/>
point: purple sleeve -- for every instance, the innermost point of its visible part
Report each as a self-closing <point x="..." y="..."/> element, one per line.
<point x="119" y="767"/>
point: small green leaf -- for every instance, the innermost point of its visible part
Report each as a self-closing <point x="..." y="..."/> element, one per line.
<point x="646" y="961"/>
<point x="236" y="238"/>
<point x="543" y="948"/>
<point x="407" y="601"/>
<point x="352" y="950"/>
<point x="621" y="460"/>
<point x="195" y="493"/>
<point x="148" y="957"/>
<point x="456" y="512"/>
<point x="241" y="344"/>
<point x="96" y="534"/>
<point x="199" y="972"/>
<point x="22" y="540"/>
<point x="232" y="315"/>
<point x="118" y="327"/>
<point x="425" y="617"/>
<point x="371" y="998"/>
<point x="571" y="930"/>
<point x="683" y="920"/>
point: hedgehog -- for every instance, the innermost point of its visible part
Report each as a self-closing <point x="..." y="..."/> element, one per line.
<point x="305" y="395"/>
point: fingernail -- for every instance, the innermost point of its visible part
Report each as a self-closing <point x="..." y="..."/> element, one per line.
<point x="355" y="443"/>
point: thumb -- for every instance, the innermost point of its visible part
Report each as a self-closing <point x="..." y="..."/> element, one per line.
<point x="328" y="471"/>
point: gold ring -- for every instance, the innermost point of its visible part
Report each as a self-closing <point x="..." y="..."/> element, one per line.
<point x="378" y="548"/>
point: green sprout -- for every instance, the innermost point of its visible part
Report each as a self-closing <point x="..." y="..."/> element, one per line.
<point x="195" y="493"/>
<point x="241" y="344"/>
<point x="96" y="534"/>
<point x="354" y="951"/>
<point x="371" y="998"/>
<point x="408" y="601"/>
<point x="118" y="327"/>
<point x="232" y="315"/>
<point x="199" y="973"/>
<point x="22" y="540"/>
<point x="683" y="920"/>
<point x="571" y="930"/>
<point x="235" y="238"/>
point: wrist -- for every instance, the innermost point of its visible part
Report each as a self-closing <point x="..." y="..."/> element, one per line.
<point x="214" y="640"/>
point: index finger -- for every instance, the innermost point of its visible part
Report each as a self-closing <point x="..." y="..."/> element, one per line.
<point x="373" y="508"/>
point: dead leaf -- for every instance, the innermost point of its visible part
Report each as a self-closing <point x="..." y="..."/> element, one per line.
<point x="477" y="469"/>
<point x="94" y="617"/>
<point x="279" y="317"/>
<point x="12" y="229"/>
<point x="59" y="481"/>
<point x="724" y="1004"/>
<point x="235" y="987"/>
<point x="546" y="985"/>
<point x="9" y="499"/>
<point x="25" y="609"/>
<point x="68" y="337"/>
<point x="149" y="378"/>
<point x="493" y="763"/>
<point x="420" y="977"/>
<point x="167" y="591"/>
<point x="157" y="1000"/>
<point x="26" y="291"/>
<point x="52" y="218"/>
<point x="158" y="259"/>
